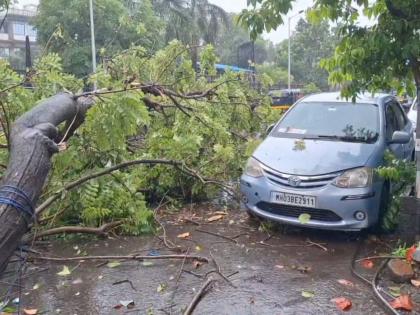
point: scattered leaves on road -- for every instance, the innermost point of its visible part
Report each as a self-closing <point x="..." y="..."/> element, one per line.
<point x="147" y="263"/>
<point x="410" y="252"/>
<point x="184" y="235"/>
<point x="161" y="287"/>
<point x="304" y="218"/>
<point x="367" y="263"/>
<point x="403" y="302"/>
<point x="416" y="283"/>
<point x="113" y="264"/>
<point x="279" y="266"/>
<point x="345" y="282"/>
<point x="395" y="291"/>
<point x="65" y="272"/>
<point x="36" y="286"/>
<point x="342" y="303"/>
<point x="32" y="311"/>
<point x="215" y="217"/>
<point x="128" y="304"/>
<point x="308" y="294"/>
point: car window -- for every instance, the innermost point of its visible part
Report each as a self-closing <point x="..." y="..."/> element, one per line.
<point x="343" y="121"/>
<point x="392" y="124"/>
<point x="401" y="118"/>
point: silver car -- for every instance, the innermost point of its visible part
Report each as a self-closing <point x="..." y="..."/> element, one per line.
<point x="412" y="113"/>
<point x="319" y="160"/>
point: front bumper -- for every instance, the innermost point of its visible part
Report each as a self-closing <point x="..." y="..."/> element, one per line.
<point x="335" y="209"/>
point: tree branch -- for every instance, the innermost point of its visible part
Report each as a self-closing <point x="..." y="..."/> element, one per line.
<point x="129" y="257"/>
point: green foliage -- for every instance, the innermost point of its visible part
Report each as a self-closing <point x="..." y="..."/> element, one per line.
<point x="402" y="175"/>
<point x="311" y="88"/>
<point x="192" y="21"/>
<point x="210" y="136"/>
<point x="310" y="43"/>
<point x="276" y="74"/>
<point x="400" y="251"/>
<point x="382" y="56"/>
<point x="118" y="24"/>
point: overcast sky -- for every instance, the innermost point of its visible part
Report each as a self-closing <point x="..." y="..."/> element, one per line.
<point x="281" y="32"/>
<point x="237" y="6"/>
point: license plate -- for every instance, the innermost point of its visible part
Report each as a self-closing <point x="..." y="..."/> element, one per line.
<point x="293" y="199"/>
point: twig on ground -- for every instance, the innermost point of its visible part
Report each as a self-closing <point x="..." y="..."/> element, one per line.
<point x="102" y="230"/>
<point x="218" y="235"/>
<point x="316" y="244"/>
<point x="193" y="273"/>
<point x="180" y="270"/>
<point x="379" y="257"/>
<point x="239" y="235"/>
<point x="198" y="296"/>
<point x="219" y="271"/>
<point x="191" y="221"/>
<point x="125" y="281"/>
<point x="128" y="257"/>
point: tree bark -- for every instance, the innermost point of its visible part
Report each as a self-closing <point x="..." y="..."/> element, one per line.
<point x="33" y="141"/>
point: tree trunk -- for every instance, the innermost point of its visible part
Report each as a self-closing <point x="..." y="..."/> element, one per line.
<point x="32" y="145"/>
<point x="418" y="141"/>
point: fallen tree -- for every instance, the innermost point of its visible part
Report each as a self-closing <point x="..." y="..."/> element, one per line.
<point x="33" y="140"/>
<point x="188" y="133"/>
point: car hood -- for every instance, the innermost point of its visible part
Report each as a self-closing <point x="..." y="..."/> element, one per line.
<point x="312" y="157"/>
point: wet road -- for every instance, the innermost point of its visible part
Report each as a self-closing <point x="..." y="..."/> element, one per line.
<point x="268" y="274"/>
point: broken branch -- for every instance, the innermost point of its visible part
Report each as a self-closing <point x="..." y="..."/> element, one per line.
<point x="128" y="257"/>
<point x="198" y="296"/>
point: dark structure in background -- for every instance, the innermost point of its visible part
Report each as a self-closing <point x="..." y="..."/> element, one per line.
<point x="246" y="55"/>
<point x="16" y="27"/>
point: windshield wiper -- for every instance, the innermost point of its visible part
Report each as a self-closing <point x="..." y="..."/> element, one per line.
<point x="346" y="138"/>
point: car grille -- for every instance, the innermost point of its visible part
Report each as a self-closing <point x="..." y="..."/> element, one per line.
<point x="295" y="212"/>
<point x="282" y="179"/>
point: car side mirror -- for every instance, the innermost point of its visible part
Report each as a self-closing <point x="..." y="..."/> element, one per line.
<point x="400" y="137"/>
<point x="269" y="129"/>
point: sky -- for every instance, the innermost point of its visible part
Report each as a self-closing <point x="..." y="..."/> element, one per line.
<point x="237" y="6"/>
<point x="281" y="32"/>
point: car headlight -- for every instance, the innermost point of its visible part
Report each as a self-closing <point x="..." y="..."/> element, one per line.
<point x="356" y="178"/>
<point x="253" y="168"/>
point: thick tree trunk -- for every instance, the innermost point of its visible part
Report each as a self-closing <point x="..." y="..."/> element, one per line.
<point x="32" y="145"/>
<point x="418" y="142"/>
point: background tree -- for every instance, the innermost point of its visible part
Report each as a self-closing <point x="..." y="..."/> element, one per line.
<point x="193" y="22"/>
<point x="310" y="43"/>
<point x="382" y="56"/>
<point x="118" y="24"/>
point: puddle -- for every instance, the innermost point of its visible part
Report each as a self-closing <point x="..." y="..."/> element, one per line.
<point x="268" y="277"/>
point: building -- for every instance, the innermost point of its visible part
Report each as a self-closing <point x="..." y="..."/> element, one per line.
<point x="16" y="26"/>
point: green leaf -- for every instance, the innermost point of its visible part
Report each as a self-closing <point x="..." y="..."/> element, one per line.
<point x="304" y="218"/>
<point x="9" y="310"/>
<point x="308" y="294"/>
<point x="65" y="272"/>
<point x="113" y="264"/>
<point x="161" y="287"/>
<point x="147" y="263"/>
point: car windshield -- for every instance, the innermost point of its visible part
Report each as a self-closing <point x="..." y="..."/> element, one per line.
<point x="331" y="121"/>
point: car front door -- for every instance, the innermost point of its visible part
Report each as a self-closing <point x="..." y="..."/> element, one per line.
<point x="404" y="125"/>
<point x="393" y="123"/>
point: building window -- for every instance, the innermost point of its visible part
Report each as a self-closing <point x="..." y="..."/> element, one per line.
<point x="19" y="29"/>
<point x="4" y="52"/>
<point x="29" y="30"/>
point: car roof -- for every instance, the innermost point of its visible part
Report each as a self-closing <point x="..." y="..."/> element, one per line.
<point x="336" y="97"/>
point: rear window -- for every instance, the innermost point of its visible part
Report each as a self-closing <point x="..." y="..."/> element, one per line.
<point x="342" y="121"/>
